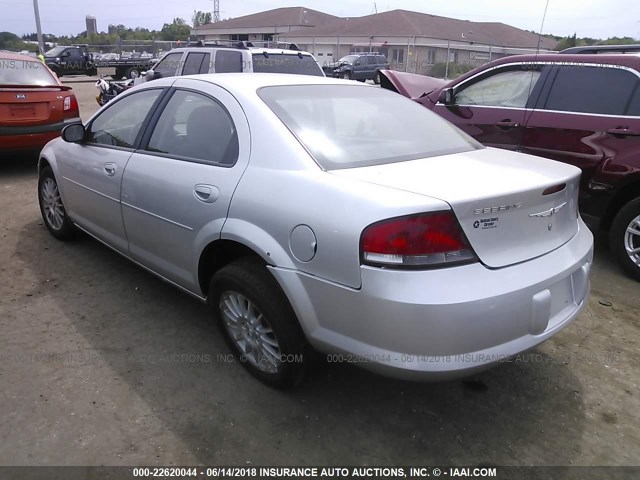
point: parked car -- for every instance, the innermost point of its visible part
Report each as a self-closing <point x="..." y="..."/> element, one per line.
<point x="236" y="57"/>
<point x="579" y="109"/>
<point x="359" y="66"/>
<point x="407" y="248"/>
<point x="34" y="105"/>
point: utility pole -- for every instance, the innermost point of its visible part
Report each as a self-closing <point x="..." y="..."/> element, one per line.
<point x="38" y="27"/>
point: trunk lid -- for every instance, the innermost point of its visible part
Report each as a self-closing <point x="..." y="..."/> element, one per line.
<point x="26" y="106"/>
<point x="497" y="197"/>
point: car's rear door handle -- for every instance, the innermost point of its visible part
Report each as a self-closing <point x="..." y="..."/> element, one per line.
<point x="507" y="123"/>
<point x="206" y="193"/>
<point x="623" y="131"/>
<point x="110" y="169"/>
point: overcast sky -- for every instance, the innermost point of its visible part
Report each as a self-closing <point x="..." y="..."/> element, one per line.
<point x="592" y="18"/>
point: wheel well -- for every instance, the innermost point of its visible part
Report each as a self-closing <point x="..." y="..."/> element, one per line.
<point x="624" y="196"/>
<point x="217" y="255"/>
<point x="42" y="164"/>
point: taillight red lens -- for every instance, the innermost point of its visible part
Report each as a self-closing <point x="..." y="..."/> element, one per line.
<point x="416" y="240"/>
<point x="70" y="104"/>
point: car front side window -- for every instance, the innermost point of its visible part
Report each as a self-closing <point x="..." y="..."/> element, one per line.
<point x="119" y="125"/>
<point x="504" y="89"/>
<point x="195" y="126"/>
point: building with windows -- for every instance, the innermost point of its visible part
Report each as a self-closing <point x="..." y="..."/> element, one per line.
<point x="263" y="25"/>
<point x="412" y="41"/>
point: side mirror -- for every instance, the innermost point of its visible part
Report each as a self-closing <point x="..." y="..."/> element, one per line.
<point x="357" y="63"/>
<point x="73" y="133"/>
<point x="447" y="97"/>
<point x="152" y="75"/>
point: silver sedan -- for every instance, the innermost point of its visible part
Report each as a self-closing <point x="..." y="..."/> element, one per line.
<point x="316" y="214"/>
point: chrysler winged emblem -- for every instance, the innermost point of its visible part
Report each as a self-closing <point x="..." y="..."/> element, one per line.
<point x="549" y="213"/>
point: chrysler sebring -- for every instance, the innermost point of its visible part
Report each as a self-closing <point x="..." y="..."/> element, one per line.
<point x="316" y="214"/>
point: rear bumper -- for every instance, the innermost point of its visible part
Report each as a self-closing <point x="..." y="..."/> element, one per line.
<point x="443" y="323"/>
<point x="31" y="137"/>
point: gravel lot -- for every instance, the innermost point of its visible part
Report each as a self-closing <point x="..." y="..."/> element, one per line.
<point x="102" y="363"/>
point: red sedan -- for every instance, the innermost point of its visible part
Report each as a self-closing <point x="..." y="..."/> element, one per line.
<point x="34" y="105"/>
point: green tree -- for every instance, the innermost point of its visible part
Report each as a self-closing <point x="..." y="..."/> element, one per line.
<point x="11" y="41"/>
<point x="176" y="30"/>
<point x="200" y="18"/>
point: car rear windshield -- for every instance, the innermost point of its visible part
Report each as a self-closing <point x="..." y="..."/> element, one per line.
<point x="345" y="126"/>
<point x="24" y="72"/>
<point x="286" y="63"/>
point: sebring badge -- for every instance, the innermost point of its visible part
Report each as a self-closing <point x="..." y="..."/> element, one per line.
<point x="550" y="212"/>
<point x="499" y="208"/>
<point x="21" y="96"/>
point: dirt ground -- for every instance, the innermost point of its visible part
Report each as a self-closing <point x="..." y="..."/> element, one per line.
<point x="102" y="363"/>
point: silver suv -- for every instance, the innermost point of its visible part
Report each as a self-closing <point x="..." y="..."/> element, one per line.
<point x="235" y="58"/>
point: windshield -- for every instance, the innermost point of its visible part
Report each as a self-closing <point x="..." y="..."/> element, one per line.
<point x="348" y="59"/>
<point x="286" y="63"/>
<point x="55" y="51"/>
<point x="25" y="72"/>
<point x="345" y="126"/>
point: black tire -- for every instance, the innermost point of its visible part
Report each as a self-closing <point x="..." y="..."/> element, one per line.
<point x="251" y="280"/>
<point x="619" y="239"/>
<point x="376" y="78"/>
<point x="64" y="230"/>
<point x="347" y="75"/>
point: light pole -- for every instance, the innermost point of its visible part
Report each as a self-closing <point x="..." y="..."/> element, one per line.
<point x="38" y="27"/>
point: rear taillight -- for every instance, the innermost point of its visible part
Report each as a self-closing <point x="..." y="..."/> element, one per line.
<point x="70" y="106"/>
<point x="423" y="240"/>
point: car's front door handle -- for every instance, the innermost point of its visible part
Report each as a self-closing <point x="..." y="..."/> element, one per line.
<point x="206" y="193"/>
<point x="507" y="123"/>
<point x="110" y="169"/>
<point x="623" y="131"/>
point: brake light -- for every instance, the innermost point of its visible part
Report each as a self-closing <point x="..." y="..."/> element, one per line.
<point x="430" y="239"/>
<point x="70" y="104"/>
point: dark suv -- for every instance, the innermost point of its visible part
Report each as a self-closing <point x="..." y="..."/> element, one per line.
<point x="358" y="66"/>
<point x="580" y="109"/>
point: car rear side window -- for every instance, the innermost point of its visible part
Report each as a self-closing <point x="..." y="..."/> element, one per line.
<point x="192" y="63"/>
<point x="345" y="126"/>
<point x="505" y="89"/>
<point x="25" y="72"/>
<point x="168" y="66"/>
<point x="591" y="89"/>
<point x="195" y="126"/>
<point x="286" y="63"/>
<point x="120" y="123"/>
<point x="228" y="61"/>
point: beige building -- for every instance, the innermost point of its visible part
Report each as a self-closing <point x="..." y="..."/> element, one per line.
<point x="412" y="41"/>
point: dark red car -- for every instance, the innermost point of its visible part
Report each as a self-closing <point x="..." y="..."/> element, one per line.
<point x="34" y="105"/>
<point x="579" y="109"/>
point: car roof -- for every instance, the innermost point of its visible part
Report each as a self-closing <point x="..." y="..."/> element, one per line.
<point x="624" y="59"/>
<point x="17" y="56"/>
<point x="272" y="51"/>
<point x="246" y="82"/>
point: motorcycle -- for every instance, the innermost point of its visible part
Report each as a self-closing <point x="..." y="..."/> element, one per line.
<point x="107" y="91"/>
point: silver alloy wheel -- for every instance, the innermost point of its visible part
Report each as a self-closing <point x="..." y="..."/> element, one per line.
<point x="250" y="331"/>
<point x="52" y="204"/>
<point x="346" y="76"/>
<point x="632" y="240"/>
